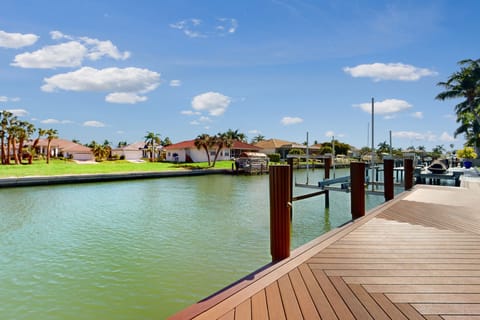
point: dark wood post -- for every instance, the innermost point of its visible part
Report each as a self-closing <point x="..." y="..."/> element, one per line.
<point x="357" y="194"/>
<point x="327" y="162"/>
<point x="388" y="179"/>
<point x="408" y="169"/>
<point x="280" y="204"/>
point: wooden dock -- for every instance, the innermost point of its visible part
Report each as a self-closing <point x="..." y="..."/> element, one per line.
<point x="415" y="257"/>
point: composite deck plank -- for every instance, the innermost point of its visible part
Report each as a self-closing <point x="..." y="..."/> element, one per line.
<point x="368" y="302"/>
<point x="387" y="305"/>
<point x="290" y="303"/>
<point x="341" y="309"/>
<point x="259" y="306"/>
<point x="434" y="297"/>
<point x="447" y="308"/>
<point x="304" y="299"/>
<point x="244" y="311"/>
<point x="406" y="273"/>
<point x="350" y="299"/>
<point x="421" y="288"/>
<point x="274" y="302"/>
<point x="318" y="296"/>
<point x="410" y="312"/>
<point x="413" y="280"/>
<point x="228" y="316"/>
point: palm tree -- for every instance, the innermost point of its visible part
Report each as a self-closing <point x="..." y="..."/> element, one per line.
<point x="221" y="140"/>
<point x="12" y="131"/>
<point x="41" y="133"/>
<point x="235" y="135"/>
<point x="258" y="138"/>
<point x="25" y="130"/>
<point x="166" y="142"/>
<point x="51" y="134"/>
<point x="465" y="84"/>
<point x="206" y="142"/>
<point x="151" y="139"/>
<point x="383" y="147"/>
<point x="5" y="119"/>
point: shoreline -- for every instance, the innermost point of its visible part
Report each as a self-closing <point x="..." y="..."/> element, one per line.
<point x="30" y="181"/>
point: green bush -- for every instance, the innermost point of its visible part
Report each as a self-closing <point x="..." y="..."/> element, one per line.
<point x="274" y="157"/>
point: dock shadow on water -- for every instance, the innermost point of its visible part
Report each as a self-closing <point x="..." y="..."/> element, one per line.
<point x="140" y="249"/>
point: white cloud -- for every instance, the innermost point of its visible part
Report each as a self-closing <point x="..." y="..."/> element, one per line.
<point x="19" y="112"/>
<point x="390" y="71"/>
<point x="194" y="122"/>
<point x="411" y="135"/>
<point x="204" y="119"/>
<point x="93" y="123"/>
<point x="418" y="115"/>
<point x="7" y="99"/>
<point x="69" y="54"/>
<point x="16" y="40"/>
<point x="175" y="83"/>
<point x="189" y="113"/>
<point x="445" y="137"/>
<point x="330" y="134"/>
<point x="99" y="48"/>
<point x="196" y="28"/>
<point x="450" y="116"/>
<point x="387" y="106"/>
<point x="56" y="35"/>
<point x="125" y="97"/>
<point x="124" y="84"/>
<point x="212" y="102"/>
<point x="55" y="121"/>
<point x="254" y="131"/>
<point x="50" y="121"/>
<point x="286" y="121"/>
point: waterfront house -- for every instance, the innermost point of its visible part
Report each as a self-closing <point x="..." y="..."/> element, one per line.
<point x="132" y="152"/>
<point x="283" y="147"/>
<point x="186" y="151"/>
<point x="272" y="146"/>
<point x="66" y="149"/>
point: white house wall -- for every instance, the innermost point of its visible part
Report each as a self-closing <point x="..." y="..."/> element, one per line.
<point x="196" y="155"/>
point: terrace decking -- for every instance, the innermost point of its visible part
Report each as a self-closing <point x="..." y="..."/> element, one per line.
<point x="416" y="257"/>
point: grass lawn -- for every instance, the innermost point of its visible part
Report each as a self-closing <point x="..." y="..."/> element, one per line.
<point x="62" y="167"/>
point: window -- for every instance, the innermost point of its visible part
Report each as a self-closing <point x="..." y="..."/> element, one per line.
<point x="226" y="154"/>
<point x="212" y="153"/>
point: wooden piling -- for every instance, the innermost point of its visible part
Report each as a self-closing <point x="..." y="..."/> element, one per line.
<point x="280" y="205"/>
<point x="327" y="165"/>
<point x="408" y="169"/>
<point x="357" y="194"/>
<point x="388" y="179"/>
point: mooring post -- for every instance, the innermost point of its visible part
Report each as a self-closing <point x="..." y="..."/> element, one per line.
<point x="388" y="179"/>
<point x="357" y="194"/>
<point x="327" y="162"/>
<point x="280" y="205"/>
<point x="408" y="169"/>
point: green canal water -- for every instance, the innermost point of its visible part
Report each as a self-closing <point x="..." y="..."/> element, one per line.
<point x="141" y="249"/>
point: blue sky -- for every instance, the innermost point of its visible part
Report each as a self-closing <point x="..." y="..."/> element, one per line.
<point x="97" y="70"/>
